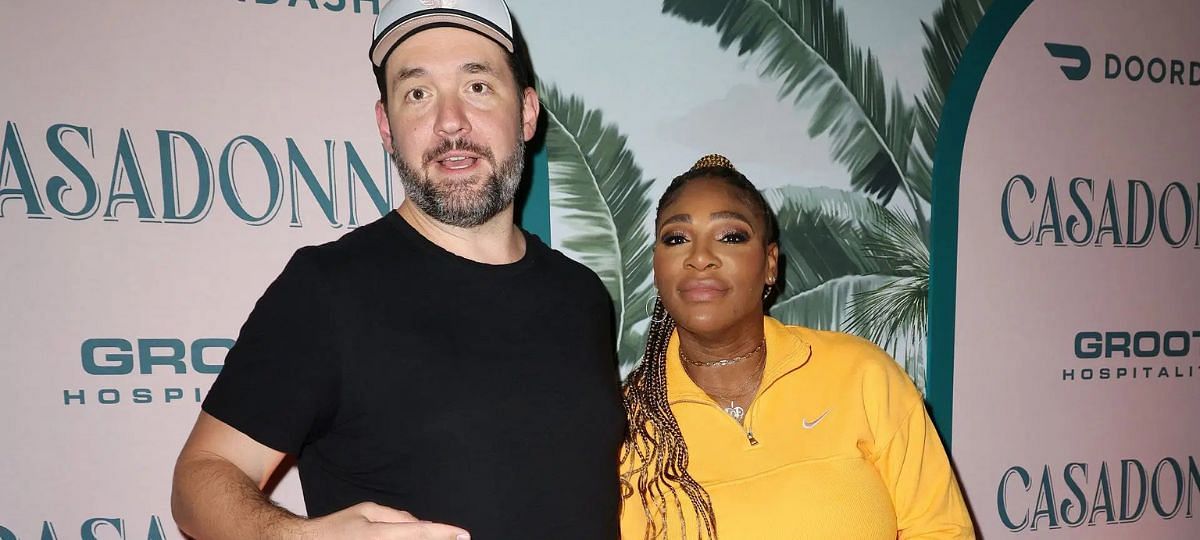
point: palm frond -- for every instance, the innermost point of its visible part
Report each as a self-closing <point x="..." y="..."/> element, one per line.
<point x="894" y="315"/>
<point x="825" y="306"/>
<point x="821" y="235"/>
<point x="891" y="313"/>
<point x="805" y="45"/>
<point x="853" y="265"/>
<point x="953" y="24"/>
<point x="894" y="242"/>
<point x="597" y="190"/>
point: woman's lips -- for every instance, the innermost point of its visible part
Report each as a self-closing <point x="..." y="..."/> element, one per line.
<point x="702" y="290"/>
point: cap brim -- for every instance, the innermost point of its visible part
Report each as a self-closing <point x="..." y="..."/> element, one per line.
<point x="404" y="28"/>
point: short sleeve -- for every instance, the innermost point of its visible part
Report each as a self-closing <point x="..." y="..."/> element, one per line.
<point x="280" y="380"/>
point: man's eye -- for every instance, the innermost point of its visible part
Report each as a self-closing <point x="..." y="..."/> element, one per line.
<point x="417" y="94"/>
<point x="479" y="88"/>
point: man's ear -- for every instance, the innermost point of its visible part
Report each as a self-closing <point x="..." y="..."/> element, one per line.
<point x="381" y="121"/>
<point x="530" y="108"/>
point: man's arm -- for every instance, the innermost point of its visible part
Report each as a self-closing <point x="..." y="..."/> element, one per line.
<point x="217" y="494"/>
<point x="217" y="490"/>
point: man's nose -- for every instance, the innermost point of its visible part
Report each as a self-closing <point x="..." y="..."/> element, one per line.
<point x="452" y="118"/>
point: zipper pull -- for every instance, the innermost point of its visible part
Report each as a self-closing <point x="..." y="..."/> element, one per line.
<point x="750" y="437"/>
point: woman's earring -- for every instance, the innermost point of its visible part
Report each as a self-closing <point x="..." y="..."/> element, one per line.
<point x="655" y="300"/>
<point x="770" y="287"/>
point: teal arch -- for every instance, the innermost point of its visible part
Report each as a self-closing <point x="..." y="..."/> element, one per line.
<point x="947" y="166"/>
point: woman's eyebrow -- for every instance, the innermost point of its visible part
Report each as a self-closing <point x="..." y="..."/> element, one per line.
<point x="729" y="214"/>
<point x="678" y="218"/>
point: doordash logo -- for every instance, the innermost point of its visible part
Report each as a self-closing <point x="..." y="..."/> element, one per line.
<point x="1076" y="65"/>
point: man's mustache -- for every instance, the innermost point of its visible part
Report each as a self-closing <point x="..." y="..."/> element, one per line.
<point x="448" y="145"/>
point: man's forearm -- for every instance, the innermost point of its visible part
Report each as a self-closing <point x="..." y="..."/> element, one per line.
<point x="214" y="500"/>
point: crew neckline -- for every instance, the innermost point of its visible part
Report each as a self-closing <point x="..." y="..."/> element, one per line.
<point x="533" y="248"/>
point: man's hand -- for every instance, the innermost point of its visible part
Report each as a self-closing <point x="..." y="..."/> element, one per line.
<point x="372" y="521"/>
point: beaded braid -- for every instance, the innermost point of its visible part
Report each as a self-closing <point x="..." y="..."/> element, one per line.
<point x="655" y="443"/>
<point x="654" y="447"/>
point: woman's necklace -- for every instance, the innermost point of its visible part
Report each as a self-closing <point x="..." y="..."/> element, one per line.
<point x="722" y="361"/>
<point x="737" y="412"/>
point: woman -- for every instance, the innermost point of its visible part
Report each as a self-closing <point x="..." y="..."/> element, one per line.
<point x="744" y="428"/>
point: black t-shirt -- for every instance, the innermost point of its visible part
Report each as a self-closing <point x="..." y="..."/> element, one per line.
<point x="483" y="396"/>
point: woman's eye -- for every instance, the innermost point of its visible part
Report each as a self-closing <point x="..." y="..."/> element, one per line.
<point x="673" y="239"/>
<point x="734" y="237"/>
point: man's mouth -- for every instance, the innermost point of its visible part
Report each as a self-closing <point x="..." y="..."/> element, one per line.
<point x="457" y="161"/>
<point x="449" y="159"/>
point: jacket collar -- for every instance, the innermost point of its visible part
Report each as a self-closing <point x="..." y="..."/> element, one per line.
<point x="786" y="352"/>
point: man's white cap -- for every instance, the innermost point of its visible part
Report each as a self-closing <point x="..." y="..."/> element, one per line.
<point x="400" y="19"/>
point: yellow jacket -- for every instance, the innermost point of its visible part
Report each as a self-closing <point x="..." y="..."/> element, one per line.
<point x="836" y="444"/>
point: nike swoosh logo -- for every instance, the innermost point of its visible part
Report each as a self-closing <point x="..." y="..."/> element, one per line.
<point x="813" y="424"/>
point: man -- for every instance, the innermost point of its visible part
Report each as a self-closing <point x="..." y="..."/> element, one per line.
<point x="438" y="372"/>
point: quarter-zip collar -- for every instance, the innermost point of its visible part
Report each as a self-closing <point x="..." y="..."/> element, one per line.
<point x="786" y="352"/>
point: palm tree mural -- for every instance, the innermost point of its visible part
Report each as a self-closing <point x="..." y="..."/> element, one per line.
<point x="854" y="260"/>
<point x="597" y="190"/>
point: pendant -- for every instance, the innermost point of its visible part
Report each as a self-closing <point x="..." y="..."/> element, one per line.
<point x="736" y="412"/>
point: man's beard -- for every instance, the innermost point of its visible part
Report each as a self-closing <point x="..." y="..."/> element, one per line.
<point x="463" y="202"/>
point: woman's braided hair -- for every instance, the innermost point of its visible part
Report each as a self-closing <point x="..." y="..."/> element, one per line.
<point x="654" y="447"/>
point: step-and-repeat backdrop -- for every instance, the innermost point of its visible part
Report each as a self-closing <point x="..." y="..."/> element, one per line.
<point x="1072" y="133"/>
<point x="160" y="160"/>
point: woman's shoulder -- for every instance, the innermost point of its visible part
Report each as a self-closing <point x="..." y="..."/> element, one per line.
<point x="839" y="344"/>
<point x="850" y="356"/>
<point x="856" y="370"/>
